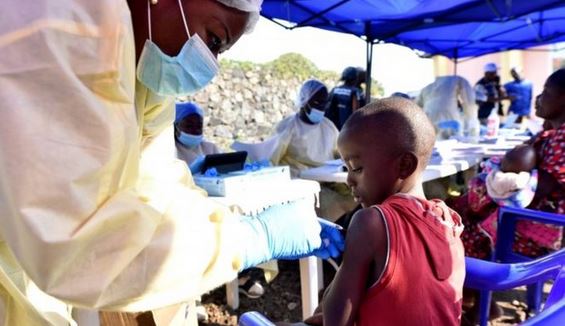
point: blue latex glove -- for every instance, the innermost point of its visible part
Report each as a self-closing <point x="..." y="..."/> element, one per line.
<point x="196" y="165"/>
<point x="286" y="231"/>
<point x="289" y="231"/>
<point x="333" y="242"/>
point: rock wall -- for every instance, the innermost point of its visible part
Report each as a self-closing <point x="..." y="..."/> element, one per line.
<point x="245" y="102"/>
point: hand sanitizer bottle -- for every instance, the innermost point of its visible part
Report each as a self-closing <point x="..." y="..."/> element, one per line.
<point x="493" y="123"/>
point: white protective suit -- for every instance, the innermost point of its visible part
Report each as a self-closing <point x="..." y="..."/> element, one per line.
<point x="302" y="145"/>
<point x="72" y="128"/>
<point x="440" y="100"/>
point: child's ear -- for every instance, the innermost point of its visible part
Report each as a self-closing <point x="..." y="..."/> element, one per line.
<point x="407" y="165"/>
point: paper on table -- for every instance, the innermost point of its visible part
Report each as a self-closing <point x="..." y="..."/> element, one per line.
<point x="452" y="149"/>
<point x="517" y="138"/>
<point x="258" y="151"/>
<point x="444" y="148"/>
<point x="334" y="162"/>
<point x="500" y="147"/>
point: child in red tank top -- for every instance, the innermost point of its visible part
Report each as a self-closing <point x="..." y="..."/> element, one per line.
<point x="403" y="262"/>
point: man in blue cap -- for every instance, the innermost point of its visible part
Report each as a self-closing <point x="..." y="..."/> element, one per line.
<point x="489" y="87"/>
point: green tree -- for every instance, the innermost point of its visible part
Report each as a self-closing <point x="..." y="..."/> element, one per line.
<point x="292" y="65"/>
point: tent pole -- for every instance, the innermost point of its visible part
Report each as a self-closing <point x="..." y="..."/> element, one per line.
<point x="455" y="62"/>
<point x="369" y="68"/>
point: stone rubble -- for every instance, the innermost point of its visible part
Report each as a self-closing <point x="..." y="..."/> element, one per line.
<point x="247" y="105"/>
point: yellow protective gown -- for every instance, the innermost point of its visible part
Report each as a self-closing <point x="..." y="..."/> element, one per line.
<point x="302" y="145"/>
<point x="91" y="212"/>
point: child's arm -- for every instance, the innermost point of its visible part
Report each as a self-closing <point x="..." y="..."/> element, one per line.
<point x="365" y="255"/>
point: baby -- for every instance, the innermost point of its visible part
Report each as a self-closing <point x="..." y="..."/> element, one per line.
<point x="512" y="180"/>
<point x="521" y="158"/>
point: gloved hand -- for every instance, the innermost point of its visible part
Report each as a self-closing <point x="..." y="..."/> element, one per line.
<point x="196" y="165"/>
<point x="333" y="242"/>
<point x="288" y="231"/>
<point x="285" y="231"/>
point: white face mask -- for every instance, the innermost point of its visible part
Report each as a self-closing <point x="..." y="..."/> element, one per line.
<point x="190" y="140"/>
<point x="316" y="116"/>
<point x="191" y="70"/>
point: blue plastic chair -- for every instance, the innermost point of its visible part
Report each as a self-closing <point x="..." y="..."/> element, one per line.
<point x="507" y="218"/>
<point x="490" y="276"/>
<point x="253" y="318"/>
<point x="553" y="315"/>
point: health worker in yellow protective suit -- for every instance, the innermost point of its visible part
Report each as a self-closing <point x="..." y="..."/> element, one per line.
<point x="92" y="212"/>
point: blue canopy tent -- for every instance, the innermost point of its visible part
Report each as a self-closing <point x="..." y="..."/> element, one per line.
<point x="456" y="28"/>
<point x="478" y="38"/>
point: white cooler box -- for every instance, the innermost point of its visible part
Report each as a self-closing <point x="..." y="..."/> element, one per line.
<point x="234" y="183"/>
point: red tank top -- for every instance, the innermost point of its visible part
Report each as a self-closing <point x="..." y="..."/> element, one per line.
<point x="423" y="279"/>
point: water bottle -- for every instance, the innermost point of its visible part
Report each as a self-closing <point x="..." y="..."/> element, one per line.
<point x="473" y="130"/>
<point x="493" y="123"/>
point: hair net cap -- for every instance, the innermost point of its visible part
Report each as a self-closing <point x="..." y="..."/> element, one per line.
<point x="184" y="109"/>
<point x="308" y="89"/>
<point x="251" y="6"/>
<point x="243" y="5"/>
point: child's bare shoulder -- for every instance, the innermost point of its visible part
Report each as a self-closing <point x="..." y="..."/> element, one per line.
<point x="367" y="223"/>
<point x="366" y="216"/>
<point x="367" y="242"/>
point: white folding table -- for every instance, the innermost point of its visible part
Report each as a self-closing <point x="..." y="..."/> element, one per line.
<point x="336" y="173"/>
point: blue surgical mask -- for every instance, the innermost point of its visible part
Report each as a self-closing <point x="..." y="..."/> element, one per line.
<point x="189" y="140"/>
<point x="315" y="115"/>
<point x="191" y="70"/>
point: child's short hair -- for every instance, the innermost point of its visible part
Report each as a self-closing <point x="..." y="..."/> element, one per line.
<point x="404" y="120"/>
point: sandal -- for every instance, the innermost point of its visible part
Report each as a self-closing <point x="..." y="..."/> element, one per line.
<point x="252" y="288"/>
